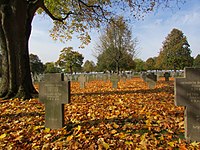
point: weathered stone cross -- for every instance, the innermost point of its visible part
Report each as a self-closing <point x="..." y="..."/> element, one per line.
<point x="187" y="93"/>
<point x="54" y="92"/>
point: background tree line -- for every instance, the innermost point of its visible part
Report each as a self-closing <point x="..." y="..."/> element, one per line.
<point x="74" y="17"/>
<point x="115" y="52"/>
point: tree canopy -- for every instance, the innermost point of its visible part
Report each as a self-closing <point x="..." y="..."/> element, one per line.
<point x="150" y="63"/>
<point x="116" y="46"/>
<point x="50" y="67"/>
<point x="70" y="16"/>
<point x="140" y="65"/>
<point x="175" y="53"/>
<point x="78" y="16"/>
<point x="69" y="60"/>
<point x="36" y="65"/>
<point x="197" y="61"/>
<point x="89" y="66"/>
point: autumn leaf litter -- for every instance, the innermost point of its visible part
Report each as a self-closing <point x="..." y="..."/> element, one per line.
<point x="99" y="117"/>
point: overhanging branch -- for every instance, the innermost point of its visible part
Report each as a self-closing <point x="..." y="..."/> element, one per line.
<point x="52" y="16"/>
<point x="93" y="8"/>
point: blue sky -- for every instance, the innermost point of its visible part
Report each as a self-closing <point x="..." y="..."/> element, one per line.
<point x="150" y="32"/>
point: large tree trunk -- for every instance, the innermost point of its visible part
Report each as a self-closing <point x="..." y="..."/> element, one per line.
<point x="15" y="29"/>
<point x="5" y="67"/>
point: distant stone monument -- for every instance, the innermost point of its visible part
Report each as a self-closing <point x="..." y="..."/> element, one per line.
<point x="151" y="80"/>
<point x="82" y="80"/>
<point x="143" y="76"/>
<point x="187" y="93"/>
<point x="123" y="77"/>
<point x="114" y="78"/>
<point x="54" y="92"/>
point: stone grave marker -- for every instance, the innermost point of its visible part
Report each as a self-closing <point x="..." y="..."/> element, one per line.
<point x="114" y="78"/>
<point x="143" y="76"/>
<point x="75" y="77"/>
<point x="166" y="75"/>
<point x="129" y="76"/>
<point x="89" y="77"/>
<point x="123" y="77"/>
<point x="54" y="92"/>
<point x="151" y="79"/>
<point x="82" y="80"/>
<point x="104" y="77"/>
<point x="187" y="93"/>
<point x="70" y="77"/>
<point x="159" y="74"/>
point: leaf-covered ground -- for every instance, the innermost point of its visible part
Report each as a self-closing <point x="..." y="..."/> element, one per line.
<point x="99" y="117"/>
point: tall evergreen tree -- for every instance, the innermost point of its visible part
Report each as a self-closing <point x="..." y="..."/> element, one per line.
<point x="175" y="53"/>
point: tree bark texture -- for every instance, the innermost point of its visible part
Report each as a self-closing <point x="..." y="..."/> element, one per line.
<point x="15" y="29"/>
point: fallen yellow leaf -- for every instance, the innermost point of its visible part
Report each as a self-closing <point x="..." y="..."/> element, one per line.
<point x="116" y="126"/>
<point x="105" y="145"/>
<point x="69" y="138"/>
<point x="47" y="130"/>
<point x="3" y="136"/>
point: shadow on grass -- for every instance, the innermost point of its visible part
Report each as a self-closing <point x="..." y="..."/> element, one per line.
<point x="155" y="90"/>
<point x="70" y="127"/>
<point x="120" y="122"/>
<point x="20" y="115"/>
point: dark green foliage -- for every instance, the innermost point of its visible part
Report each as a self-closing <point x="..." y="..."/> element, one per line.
<point x="50" y="67"/>
<point x="150" y="63"/>
<point x="140" y="65"/>
<point x="36" y="65"/>
<point x="175" y="53"/>
<point x="197" y="61"/>
<point x="70" y="61"/>
<point x="89" y="66"/>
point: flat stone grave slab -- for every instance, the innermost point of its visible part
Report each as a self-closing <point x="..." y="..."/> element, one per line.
<point x="54" y="92"/>
<point x="187" y="93"/>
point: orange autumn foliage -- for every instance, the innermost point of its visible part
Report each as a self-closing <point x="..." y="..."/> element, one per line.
<point x="100" y="117"/>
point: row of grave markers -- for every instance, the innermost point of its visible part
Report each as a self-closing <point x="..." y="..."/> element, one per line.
<point x="113" y="78"/>
<point x="150" y="78"/>
<point x="55" y="92"/>
<point x="105" y="77"/>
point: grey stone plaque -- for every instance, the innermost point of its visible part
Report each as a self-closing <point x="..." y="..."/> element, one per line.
<point x="143" y="76"/>
<point x="54" y="92"/>
<point x="114" y="78"/>
<point x="82" y="80"/>
<point x="187" y="93"/>
<point x="151" y="79"/>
